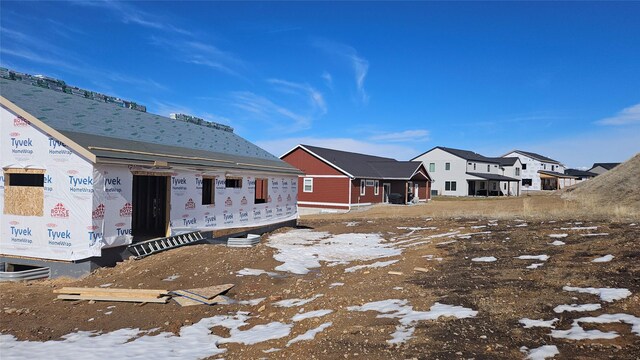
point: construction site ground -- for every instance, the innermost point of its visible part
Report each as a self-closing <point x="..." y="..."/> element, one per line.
<point x="453" y="241"/>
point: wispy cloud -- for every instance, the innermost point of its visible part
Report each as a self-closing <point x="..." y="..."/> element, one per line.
<point x="403" y="136"/>
<point x="130" y="14"/>
<point x="328" y="79"/>
<point x="626" y="116"/>
<point x="359" y="65"/>
<point x="400" y="152"/>
<point x="277" y="116"/>
<point x="316" y="99"/>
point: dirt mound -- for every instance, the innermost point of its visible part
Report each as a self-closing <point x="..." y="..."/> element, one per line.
<point x="617" y="189"/>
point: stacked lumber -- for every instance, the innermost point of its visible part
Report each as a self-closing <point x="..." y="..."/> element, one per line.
<point x="102" y="294"/>
<point x="207" y="295"/>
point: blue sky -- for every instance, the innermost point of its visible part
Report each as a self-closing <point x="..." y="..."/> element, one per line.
<point x="390" y="79"/>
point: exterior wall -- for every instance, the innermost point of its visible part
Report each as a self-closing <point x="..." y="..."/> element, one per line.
<point x="515" y="188"/>
<point x="61" y="232"/>
<point x="483" y="167"/>
<point x="598" y="170"/>
<point x="456" y="173"/>
<point x="533" y="166"/>
<point x="329" y="192"/>
<point x="369" y="196"/>
<point x="309" y="164"/>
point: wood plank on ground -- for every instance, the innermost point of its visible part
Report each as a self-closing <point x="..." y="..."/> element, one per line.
<point x="421" y="269"/>
<point x="205" y="293"/>
<point x="80" y="290"/>
<point x="162" y="300"/>
<point x="186" y="301"/>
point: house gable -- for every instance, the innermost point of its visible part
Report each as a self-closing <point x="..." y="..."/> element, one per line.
<point x="311" y="164"/>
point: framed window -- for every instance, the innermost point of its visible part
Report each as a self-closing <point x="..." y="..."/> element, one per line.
<point x="307" y="185"/>
<point x="474" y="166"/>
<point x="524" y="166"/>
<point x="376" y="188"/>
<point x="553" y="167"/>
<point x="363" y="187"/>
<point x="24" y="192"/>
<point x="369" y="182"/>
<point x="208" y="191"/>
<point x="527" y="182"/>
<point x="544" y="166"/>
<point x="261" y="191"/>
<point x="488" y="168"/>
<point x="447" y="186"/>
<point x="482" y="185"/>
<point x="233" y="182"/>
<point x="447" y="166"/>
<point x="432" y="167"/>
<point x="453" y="186"/>
<point x="517" y="171"/>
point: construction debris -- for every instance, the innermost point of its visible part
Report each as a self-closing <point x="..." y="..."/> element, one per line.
<point x="102" y="294"/>
<point x="395" y="273"/>
<point x="249" y="241"/>
<point x="207" y="295"/>
<point x="420" y="269"/>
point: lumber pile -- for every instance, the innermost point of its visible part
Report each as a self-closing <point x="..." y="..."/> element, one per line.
<point x="102" y="294"/>
<point x="207" y="295"/>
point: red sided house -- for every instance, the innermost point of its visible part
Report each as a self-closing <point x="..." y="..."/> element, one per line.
<point x="342" y="180"/>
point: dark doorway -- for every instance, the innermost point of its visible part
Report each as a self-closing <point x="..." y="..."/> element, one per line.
<point x="149" y="218"/>
<point x="472" y="188"/>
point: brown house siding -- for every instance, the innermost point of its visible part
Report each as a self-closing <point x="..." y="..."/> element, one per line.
<point x="368" y="196"/>
<point x="325" y="190"/>
<point x="309" y="164"/>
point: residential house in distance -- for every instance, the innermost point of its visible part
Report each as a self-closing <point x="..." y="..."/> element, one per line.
<point x="458" y="172"/>
<point x="540" y="172"/>
<point x="82" y="179"/>
<point x="335" y="179"/>
<point x="580" y="175"/>
<point x="601" y="168"/>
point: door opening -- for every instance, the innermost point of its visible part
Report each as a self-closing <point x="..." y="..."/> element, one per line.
<point x="386" y="190"/>
<point x="150" y="207"/>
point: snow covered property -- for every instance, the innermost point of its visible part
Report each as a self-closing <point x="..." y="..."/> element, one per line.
<point x="82" y="178"/>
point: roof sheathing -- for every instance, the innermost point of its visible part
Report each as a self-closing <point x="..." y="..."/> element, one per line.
<point x="70" y="113"/>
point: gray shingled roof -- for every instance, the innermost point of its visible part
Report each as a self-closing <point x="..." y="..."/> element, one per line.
<point x="366" y="166"/>
<point x="464" y="154"/>
<point x="580" y="173"/>
<point x="107" y="124"/>
<point x="494" y="177"/>
<point x="555" y="174"/>
<point x="607" y="166"/>
<point x="536" y="156"/>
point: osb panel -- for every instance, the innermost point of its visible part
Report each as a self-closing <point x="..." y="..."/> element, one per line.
<point x="24" y="200"/>
<point x="23" y="171"/>
<point x="149" y="173"/>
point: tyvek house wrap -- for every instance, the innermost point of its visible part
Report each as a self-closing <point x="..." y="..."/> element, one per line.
<point x="62" y="233"/>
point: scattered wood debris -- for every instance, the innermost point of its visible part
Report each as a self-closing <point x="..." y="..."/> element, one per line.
<point x="395" y="273"/>
<point x="102" y="294"/>
<point x="207" y="295"/>
<point x="420" y="269"/>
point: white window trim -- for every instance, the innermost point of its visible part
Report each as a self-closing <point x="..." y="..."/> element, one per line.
<point x="304" y="185"/>
<point x="363" y="187"/>
<point x="376" y="187"/>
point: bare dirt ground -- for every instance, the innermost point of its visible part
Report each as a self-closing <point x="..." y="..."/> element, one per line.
<point x="502" y="292"/>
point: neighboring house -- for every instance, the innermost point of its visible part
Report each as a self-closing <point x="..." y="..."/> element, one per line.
<point x="342" y="180"/>
<point x="458" y="172"/>
<point x="601" y="168"/>
<point x="540" y="172"/>
<point x="580" y="175"/>
<point x="82" y="178"/>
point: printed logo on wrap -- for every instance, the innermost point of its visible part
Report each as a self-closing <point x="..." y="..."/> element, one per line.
<point x="80" y="186"/>
<point x="288" y="209"/>
<point x="251" y="184"/>
<point x="199" y="181"/>
<point x="58" y="237"/>
<point x="221" y="185"/>
<point x="244" y="215"/>
<point x="190" y="204"/>
<point x="228" y="202"/>
<point x="98" y="213"/>
<point x="20" y="235"/>
<point x="289" y="198"/>
<point x="294" y="185"/>
<point x="279" y="198"/>
<point x="228" y="217"/>
<point x="178" y="185"/>
<point x="20" y="122"/>
<point x="112" y="186"/>
<point x="59" y="211"/>
<point x="268" y="212"/>
<point x="127" y="210"/>
<point x="209" y="219"/>
<point x="189" y="221"/>
<point x="93" y="235"/>
<point x="268" y="198"/>
<point x="2" y="182"/>
<point x="58" y="150"/>
<point x="275" y="185"/>
<point x="121" y="230"/>
<point x="285" y="185"/>
<point x="257" y="214"/>
<point x="21" y="146"/>
<point x="243" y="201"/>
<point x="48" y="184"/>
<point x="279" y="211"/>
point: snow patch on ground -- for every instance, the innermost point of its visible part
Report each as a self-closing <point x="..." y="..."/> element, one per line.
<point x="580" y="228"/>
<point x="400" y="309"/>
<point x="535" y="265"/>
<point x="578" y="333"/>
<point x="533" y="257"/>
<point x="252" y="302"/>
<point x="311" y="314"/>
<point x="254" y="272"/>
<point x="336" y="284"/>
<point x="296" y="302"/>
<point x="605" y="258"/>
<point x="575" y="307"/>
<point x="302" y="249"/>
<point x="431" y="257"/>
<point x="171" y="277"/>
<point x="352" y="223"/>
<point x="557" y="243"/>
<point x="376" y="264"/>
<point x="606" y="294"/>
<point x="484" y="259"/>
<point x="530" y="323"/>
<point x="522" y="225"/>
<point x="599" y="234"/>
<point x="558" y="236"/>
<point x="543" y="352"/>
<point x="310" y="334"/>
<point x="194" y="341"/>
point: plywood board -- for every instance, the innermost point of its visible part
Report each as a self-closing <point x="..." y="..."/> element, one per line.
<point x="162" y="300"/>
<point x="206" y="293"/>
<point x="190" y="301"/>
<point x="24" y="200"/>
